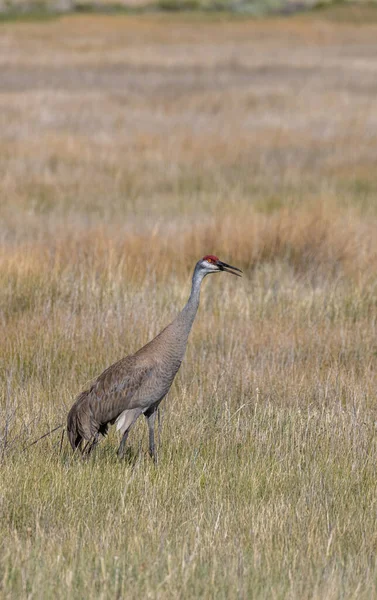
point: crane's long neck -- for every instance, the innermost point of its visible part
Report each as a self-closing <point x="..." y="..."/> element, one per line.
<point x="187" y="315"/>
<point x="170" y="344"/>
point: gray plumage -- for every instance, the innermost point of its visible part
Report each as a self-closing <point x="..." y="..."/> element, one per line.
<point x="136" y="384"/>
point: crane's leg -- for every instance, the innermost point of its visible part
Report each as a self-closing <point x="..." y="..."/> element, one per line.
<point x="123" y="443"/>
<point x="151" y="417"/>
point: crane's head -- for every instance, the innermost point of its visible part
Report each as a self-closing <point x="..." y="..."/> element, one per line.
<point x="212" y="264"/>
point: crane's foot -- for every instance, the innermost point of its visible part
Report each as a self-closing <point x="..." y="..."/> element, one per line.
<point x="153" y="455"/>
<point x="120" y="452"/>
<point x="122" y="446"/>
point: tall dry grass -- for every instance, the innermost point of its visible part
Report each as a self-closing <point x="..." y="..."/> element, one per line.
<point x="131" y="147"/>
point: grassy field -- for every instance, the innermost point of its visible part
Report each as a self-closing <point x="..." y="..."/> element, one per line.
<point x="130" y="147"/>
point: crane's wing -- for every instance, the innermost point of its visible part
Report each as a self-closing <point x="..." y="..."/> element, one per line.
<point x="117" y="386"/>
<point x="110" y="395"/>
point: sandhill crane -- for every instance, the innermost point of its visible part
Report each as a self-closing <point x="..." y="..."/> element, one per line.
<point x="136" y="384"/>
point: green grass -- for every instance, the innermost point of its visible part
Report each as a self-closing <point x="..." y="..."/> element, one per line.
<point x="252" y="503"/>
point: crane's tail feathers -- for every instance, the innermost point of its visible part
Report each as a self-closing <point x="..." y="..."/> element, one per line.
<point x="73" y="434"/>
<point x="80" y="422"/>
<point x="45" y="435"/>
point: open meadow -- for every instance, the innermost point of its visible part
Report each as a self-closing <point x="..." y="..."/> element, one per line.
<point x="130" y="147"/>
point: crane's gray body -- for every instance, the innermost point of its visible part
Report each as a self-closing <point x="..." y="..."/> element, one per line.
<point x="137" y="383"/>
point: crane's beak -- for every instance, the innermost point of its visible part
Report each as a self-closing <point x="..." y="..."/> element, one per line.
<point x="228" y="268"/>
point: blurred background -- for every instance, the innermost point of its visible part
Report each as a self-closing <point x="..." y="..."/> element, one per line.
<point x="253" y="7"/>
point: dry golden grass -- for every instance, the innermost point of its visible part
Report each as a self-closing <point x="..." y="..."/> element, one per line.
<point x="129" y="148"/>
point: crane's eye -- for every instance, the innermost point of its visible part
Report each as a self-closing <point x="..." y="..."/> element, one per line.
<point x="209" y="260"/>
